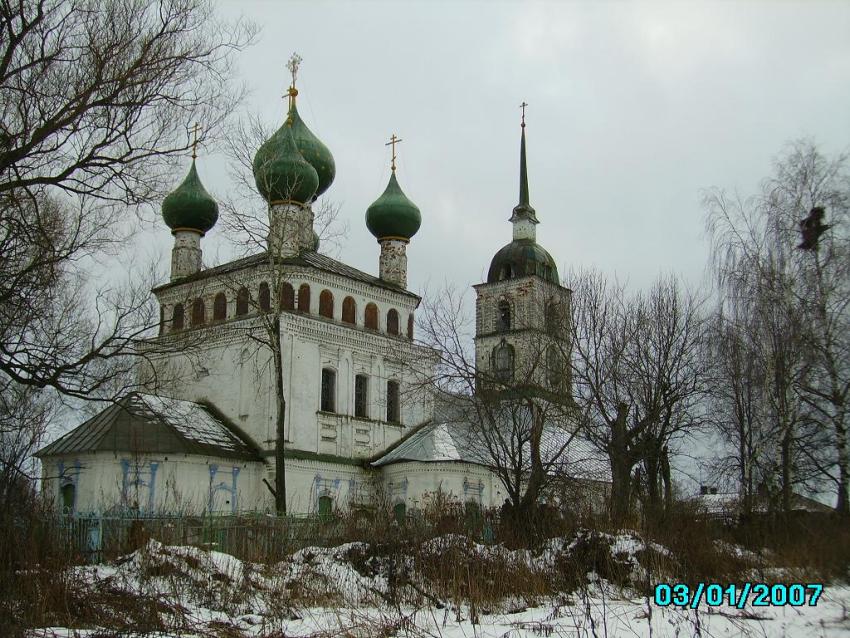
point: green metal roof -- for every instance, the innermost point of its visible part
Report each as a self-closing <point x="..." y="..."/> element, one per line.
<point x="280" y="170"/>
<point x="520" y="258"/>
<point x="393" y="214"/>
<point x="190" y="205"/>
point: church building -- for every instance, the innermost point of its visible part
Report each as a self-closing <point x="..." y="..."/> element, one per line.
<point x="289" y="357"/>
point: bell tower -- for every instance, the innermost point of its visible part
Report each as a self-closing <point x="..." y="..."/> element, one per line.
<point x="522" y="310"/>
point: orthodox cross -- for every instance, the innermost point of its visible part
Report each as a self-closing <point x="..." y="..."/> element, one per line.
<point x="293" y="66"/>
<point x="393" y="141"/>
<point x="194" y="131"/>
<point x="522" y="106"/>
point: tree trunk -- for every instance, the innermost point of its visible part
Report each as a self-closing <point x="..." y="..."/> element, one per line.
<point x="842" y="506"/>
<point x="280" y="431"/>
<point x="786" y="469"/>
<point x="537" y="476"/>
<point x="621" y="467"/>
<point x="668" y="483"/>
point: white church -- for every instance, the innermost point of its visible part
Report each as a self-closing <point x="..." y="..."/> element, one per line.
<point x="359" y="426"/>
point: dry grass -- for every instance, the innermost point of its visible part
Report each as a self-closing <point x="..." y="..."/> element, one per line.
<point x="438" y="562"/>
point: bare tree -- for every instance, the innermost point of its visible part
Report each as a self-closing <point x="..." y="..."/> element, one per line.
<point x="637" y="376"/>
<point x="802" y="297"/>
<point x="95" y="98"/>
<point x="520" y="415"/>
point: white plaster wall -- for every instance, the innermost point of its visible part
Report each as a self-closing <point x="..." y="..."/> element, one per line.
<point x="181" y="485"/>
<point x="424" y="480"/>
<point x="307" y="480"/>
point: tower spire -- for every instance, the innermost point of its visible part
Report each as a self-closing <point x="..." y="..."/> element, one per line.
<point x="523" y="171"/>
<point x="523" y="218"/>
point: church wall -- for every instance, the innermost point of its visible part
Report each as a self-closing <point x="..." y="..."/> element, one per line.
<point x="228" y="364"/>
<point x="308" y="480"/>
<point x="107" y="482"/>
<point x="416" y="483"/>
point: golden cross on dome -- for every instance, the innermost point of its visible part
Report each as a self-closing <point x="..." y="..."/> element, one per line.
<point x="522" y="106"/>
<point x="194" y="131"/>
<point x="393" y="141"/>
<point x="293" y="64"/>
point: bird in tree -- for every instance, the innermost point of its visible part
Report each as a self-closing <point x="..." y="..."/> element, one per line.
<point x="812" y="227"/>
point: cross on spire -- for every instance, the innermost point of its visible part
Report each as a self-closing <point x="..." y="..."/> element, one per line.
<point x="194" y="131"/>
<point x="522" y="106"/>
<point x="393" y="141"/>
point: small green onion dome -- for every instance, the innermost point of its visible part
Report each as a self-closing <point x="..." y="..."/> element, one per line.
<point x="520" y="258"/>
<point x="190" y="206"/>
<point x="392" y="214"/>
<point x="281" y="172"/>
<point x="313" y="151"/>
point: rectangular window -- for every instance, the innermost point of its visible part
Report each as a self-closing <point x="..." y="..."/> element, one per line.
<point x="361" y="396"/>
<point x="393" y="406"/>
<point x="328" y="390"/>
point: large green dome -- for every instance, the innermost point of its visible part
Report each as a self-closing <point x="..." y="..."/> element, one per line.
<point x="313" y="150"/>
<point x="393" y="214"/>
<point x="280" y="170"/>
<point x="520" y="258"/>
<point x="190" y="206"/>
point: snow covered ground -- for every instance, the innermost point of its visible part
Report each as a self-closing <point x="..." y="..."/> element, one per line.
<point x="206" y="593"/>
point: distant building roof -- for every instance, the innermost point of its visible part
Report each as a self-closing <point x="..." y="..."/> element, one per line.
<point x="144" y="423"/>
<point x="307" y="258"/>
<point x="730" y="503"/>
<point x="453" y="436"/>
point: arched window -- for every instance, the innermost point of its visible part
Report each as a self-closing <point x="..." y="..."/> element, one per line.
<point x="503" y="320"/>
<point x="265" y="297"/>
<point x="287" y="296"/>
<point x="371" y="316"/>
<point x="503" y="361"/>
<point x="506" y="272"/>
<point x="243" y="298"/>
<point x="220" y="307"/>
<point x="392" y="321"/>
<point x="304" y="298"/>
<point x="328" y="398"/>
<point x="361" y="396"/>
<point x="400" y="513"/>
<point x="349" y="310"/>
<point x="199" y="312"/>
<point x="326" y="506"/>
<point x="326" y="304"/>
<point x="410" y="326"/>
<point x="553" y="317"/>
<point x="177" y="317"/>
<point x="68" y="495"/>
<point x="393" y="402"/>
<point x="554" y="368"/>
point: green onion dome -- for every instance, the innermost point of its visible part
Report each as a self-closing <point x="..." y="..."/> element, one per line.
<point x="313" y="150"/>
<point x="281" y="172"/>
<point x="520" y="258"/>
<point x="392" y="214"/>
<point x="190" y="206"/>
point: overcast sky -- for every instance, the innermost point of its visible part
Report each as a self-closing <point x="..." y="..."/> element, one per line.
<point x="635" y="109"/>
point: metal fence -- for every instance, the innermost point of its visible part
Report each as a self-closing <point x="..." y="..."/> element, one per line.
<point x="98" y="537"/>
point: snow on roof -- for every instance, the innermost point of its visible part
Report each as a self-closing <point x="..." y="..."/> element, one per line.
<point x="146" y="423"/>
<point x="453" y="436"/>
